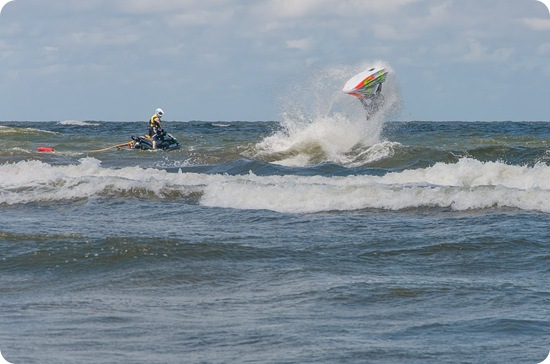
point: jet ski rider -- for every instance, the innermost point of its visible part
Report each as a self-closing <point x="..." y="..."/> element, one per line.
<point x="155" y="129"/>
<point x="376" y="101"/>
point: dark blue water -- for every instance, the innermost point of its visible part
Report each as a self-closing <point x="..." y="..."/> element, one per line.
<point x="256" y="242"/>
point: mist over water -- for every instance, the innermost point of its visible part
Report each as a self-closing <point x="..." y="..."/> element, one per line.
<point x="323" y="124"/>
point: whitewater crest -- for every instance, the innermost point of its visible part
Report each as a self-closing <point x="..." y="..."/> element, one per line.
<point x="77" y="123"/>
<point x="323" y="124"/>
<point x="467" y="185"/>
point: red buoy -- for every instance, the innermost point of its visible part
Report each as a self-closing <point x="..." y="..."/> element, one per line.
<point x="46" y="149"/>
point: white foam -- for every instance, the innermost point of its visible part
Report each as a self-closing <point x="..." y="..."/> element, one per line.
<point x="321" y="123"/>
<point x="36" y="181"/>
<point x="377" y="152"/>
<point x="468" y="184"/>
<point x="77" y="123"/>
<point x="15" y="130"/>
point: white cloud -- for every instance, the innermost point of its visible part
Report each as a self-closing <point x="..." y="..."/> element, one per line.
<point x="209" y="17"/>
<point x="100" y="38"/>
<point x="295" y="8"/>
<point x="544" y="49"/>
<point x="192" y="44"/>
<point x="390" y="32"/>
<point x="537" y="24"/>
<point x="480" y="53"/>
<point x="303" y="44"/>
<point x="343" y="9"/>
<point x="150" y="7"/>
<point x="367" y="9"/>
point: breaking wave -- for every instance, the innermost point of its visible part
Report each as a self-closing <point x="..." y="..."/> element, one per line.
<point x="322" y="124"/>
<point x="466" y="185"/>
<point x="78" y="123"/>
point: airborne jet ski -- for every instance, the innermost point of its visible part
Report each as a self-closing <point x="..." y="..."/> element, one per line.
<point x="165" y="142"/>
<point x="367" y="87"/>
<point x="367" y="83"/>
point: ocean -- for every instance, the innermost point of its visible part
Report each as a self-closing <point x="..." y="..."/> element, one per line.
<point x="320" y="238"/>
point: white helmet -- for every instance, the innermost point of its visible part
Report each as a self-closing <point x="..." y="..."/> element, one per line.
<point x="159" y="112"/>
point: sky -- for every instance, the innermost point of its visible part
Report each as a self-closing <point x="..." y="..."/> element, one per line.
<point x="228" y="60"/>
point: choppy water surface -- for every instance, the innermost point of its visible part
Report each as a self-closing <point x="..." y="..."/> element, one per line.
<point x="326" y="239"/>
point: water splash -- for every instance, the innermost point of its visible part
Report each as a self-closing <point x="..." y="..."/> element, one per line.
<point x="323" y="124"/>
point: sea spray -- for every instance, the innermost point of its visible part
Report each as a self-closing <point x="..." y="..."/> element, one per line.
<point x="466" y="185"/>
<point x="229" y="259"/>
<point x="323" y="124"/>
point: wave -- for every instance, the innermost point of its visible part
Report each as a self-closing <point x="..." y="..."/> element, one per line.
<point x="9" y="130"/>
<point x="391" y="154"/>
<point x="466" y="185"/>
<point x="36" y="181"/>
<point x="322" y="124"/>
<point x="77" y="123"/>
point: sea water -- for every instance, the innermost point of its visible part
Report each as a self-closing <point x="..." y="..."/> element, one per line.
<point x="320" y="238"/>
